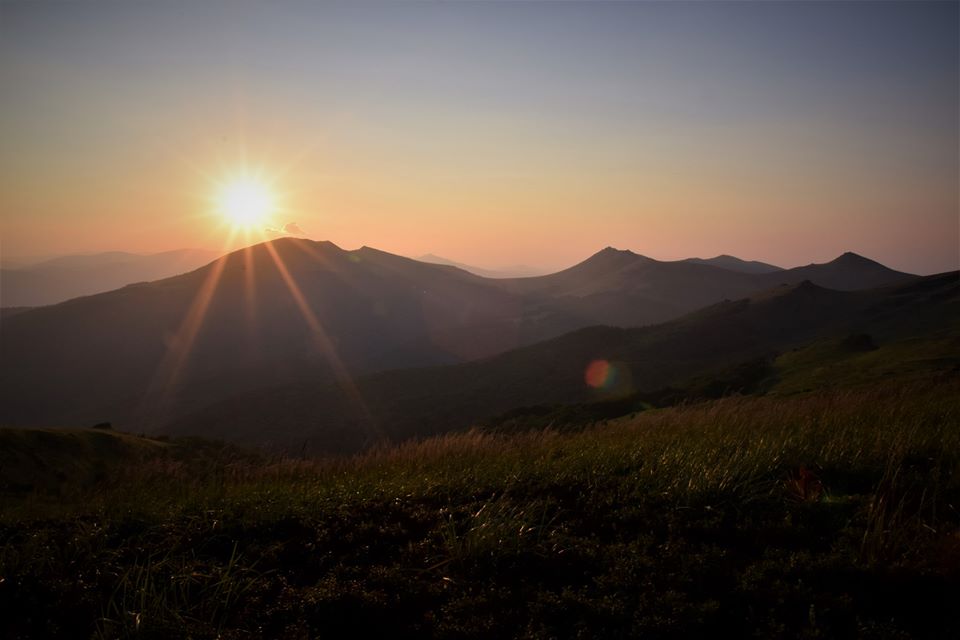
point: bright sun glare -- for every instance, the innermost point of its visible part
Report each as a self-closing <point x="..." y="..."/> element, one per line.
<point x="246" y="201"/>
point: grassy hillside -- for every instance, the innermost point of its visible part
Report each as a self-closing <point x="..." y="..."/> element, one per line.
<point x="65" y="459"/>
<point x="838" y="362"/>
<point x="693" y="350"/>
<point x="65" y="463"/>
<point x="858" y="359"/>
<point x="811" y="515"/>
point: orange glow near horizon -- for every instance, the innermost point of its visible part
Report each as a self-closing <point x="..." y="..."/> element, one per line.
<point x="488" y="135"/>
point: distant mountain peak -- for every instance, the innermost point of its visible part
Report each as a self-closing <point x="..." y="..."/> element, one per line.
<point x="612" y="254"/>
<point x="610" y="251"/>
<point x="807" y="285"/>
<point x="803" y="290"/>
<point x="809" y="290"/>
<point x="733" y="263"/>
<point x="291" y="241"/>
<point x="849" y="257"/>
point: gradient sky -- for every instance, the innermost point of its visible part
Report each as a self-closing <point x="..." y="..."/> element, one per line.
<point x="490" y="133"/>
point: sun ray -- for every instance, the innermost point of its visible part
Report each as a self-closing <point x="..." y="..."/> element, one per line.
<point x="327" y="348"/>
<point x="250" y="289"/>
<point x="168" y="371"/>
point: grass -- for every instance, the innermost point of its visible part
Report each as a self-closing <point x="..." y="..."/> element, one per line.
<point x="832" y="514"/>
<point x="56" y="460"/>
<point x="829" y="362"/>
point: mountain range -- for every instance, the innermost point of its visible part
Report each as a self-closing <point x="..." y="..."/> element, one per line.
<point x="400" y="404"/>
<point x="516" y="271"/>
<point x="736" y="264"/>
<point x="317" y="320"/>
<point x="59" y="279"/>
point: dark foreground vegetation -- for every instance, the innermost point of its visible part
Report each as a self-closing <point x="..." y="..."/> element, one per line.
<point x="826" y="514"/>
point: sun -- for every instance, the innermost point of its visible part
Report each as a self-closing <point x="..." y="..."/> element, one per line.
<point x="245" y="201"/>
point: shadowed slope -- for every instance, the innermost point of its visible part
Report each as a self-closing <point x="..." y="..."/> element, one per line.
<point x="623" y="288"/>
<point x="66" y="459"/>
<point x="296" y="310"/>
<point x="235" y="325"/>
<point x="427" y="401"/>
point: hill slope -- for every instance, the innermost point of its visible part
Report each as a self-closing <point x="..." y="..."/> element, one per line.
<point x="65" y="460"/>
<point x="296" y="310"/>
<point x="239" y="323"/>
<point x="622" y="288"/>
<point x="401" y="404"/>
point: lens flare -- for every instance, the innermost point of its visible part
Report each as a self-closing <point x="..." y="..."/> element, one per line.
<point x="599" y="374"/>
<point x="611" y="379"/>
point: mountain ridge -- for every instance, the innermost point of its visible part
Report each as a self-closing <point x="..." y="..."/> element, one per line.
<point x="293" y="308"/>
<point x="552" y="372"/>
<point x="734" y="263"/>
<point x="59" y="279"/>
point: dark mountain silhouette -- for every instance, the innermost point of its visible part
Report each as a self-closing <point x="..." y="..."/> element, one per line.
<point x="847" y="273"/>
<point x="69" y="277"/>
<point x="9" y="312"/>
<point x="294" y="310"/>
<point x="736" y="264"/>
<point x="243" y="322"/>
<point x="623" y="288"/>
<point x="517" y="271"/>
<point x="422" y="402"/>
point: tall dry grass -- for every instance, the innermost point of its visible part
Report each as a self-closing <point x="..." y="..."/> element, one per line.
<point x="884" y="459"/>
<point x="886" y="438"/>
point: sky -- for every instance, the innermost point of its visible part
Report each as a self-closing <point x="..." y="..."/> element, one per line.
<point x="490" y="133"/>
